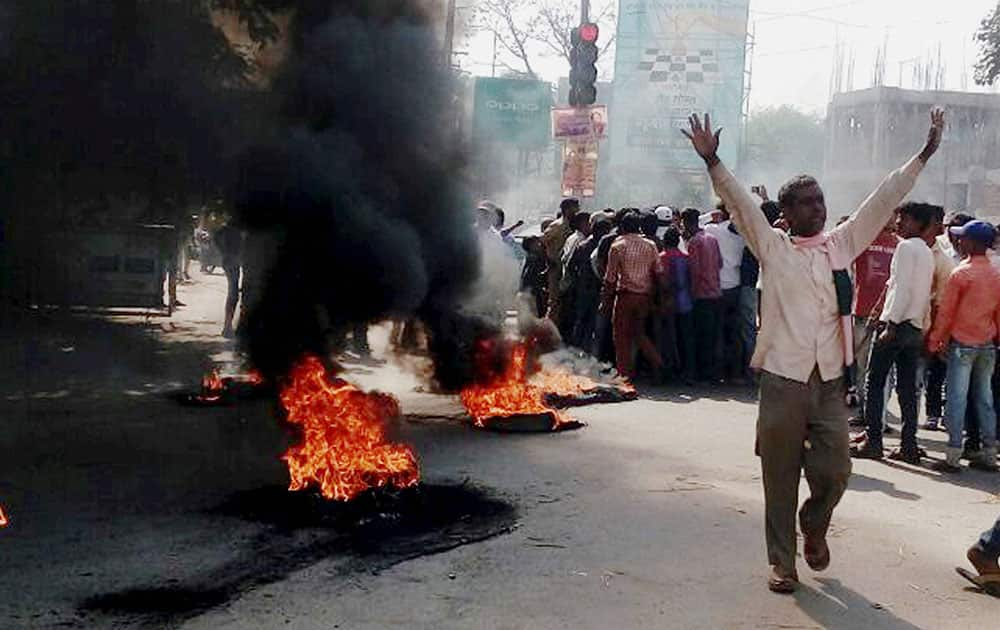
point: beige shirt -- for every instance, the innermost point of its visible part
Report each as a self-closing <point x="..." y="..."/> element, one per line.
<point x="944" y="264"/>
<point x="800" y="323"/>
<point x="555" y="238"/>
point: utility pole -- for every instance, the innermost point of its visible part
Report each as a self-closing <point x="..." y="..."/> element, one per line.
<point x="449" y="34"/>
<point x="493" y="73"/>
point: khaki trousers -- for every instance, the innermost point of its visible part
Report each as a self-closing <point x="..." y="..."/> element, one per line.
<point x="801" y="425"/>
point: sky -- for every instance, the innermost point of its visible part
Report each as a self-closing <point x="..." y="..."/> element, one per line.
<point x="796" y="43"/>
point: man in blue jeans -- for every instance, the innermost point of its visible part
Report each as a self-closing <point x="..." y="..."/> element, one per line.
<point x="983" y="556"/>
<point x="969" y="322"/>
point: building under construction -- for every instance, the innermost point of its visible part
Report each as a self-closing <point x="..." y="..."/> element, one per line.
<point x="872" y="131"/>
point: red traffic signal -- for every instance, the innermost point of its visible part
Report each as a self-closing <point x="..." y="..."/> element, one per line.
<point x="589" y="32"/>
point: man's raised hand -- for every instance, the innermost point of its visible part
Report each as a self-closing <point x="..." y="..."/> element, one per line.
<point x="704" y="140"/>
<point x="934" y="135"/>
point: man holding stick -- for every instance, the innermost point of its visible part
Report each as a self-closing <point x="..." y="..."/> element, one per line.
<point x="805" y="346"/>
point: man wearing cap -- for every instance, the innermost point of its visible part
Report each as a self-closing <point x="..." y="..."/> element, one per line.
<point x="731" y="246"/>
<point x="705" y="265"/>
<point x="967" y="327"/>
<point x="805" y="345"/>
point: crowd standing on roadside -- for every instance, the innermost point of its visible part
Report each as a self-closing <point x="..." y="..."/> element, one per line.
<point x="898" y="296"/>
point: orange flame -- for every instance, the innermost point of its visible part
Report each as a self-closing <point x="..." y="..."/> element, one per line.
<point x="563" y="383"/>
<point x="509" y="394"/>
<point x="254" y="377"/>
<point x="212" y="385"/>
<point x="344" y="451"/>
<point x="4" y="521"/>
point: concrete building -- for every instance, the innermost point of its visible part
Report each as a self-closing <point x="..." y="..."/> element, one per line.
<point x="870" y="132"/>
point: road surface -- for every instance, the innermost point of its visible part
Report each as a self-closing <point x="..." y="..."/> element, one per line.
<point x="649" y="517"/>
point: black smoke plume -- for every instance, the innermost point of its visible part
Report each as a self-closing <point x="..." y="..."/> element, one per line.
<point x="354" y="205"/>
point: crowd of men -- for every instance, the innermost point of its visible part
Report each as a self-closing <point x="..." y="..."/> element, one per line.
<point x="928" y="309"/>
<point x="664" y="294"/>
<point x="897" y="295"/>
<point x="673" y="296"/>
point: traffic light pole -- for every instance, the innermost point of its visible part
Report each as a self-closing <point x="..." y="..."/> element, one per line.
<point x="584" y="11"/>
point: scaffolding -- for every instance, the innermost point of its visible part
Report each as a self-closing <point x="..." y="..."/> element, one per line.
<point x="747" y="90"/>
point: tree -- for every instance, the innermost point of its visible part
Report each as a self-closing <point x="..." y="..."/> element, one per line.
<point x="559" y="18"/>
<point x="111" y="113"/>
<point x="987" y="68"/>
<point x="783" y="142"/>
<point x="120" y="98"/>
<point x="513" y="24"/>
<point x="528" y="30"/>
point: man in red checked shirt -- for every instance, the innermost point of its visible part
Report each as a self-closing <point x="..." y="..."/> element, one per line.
<point x="629" y="288"/>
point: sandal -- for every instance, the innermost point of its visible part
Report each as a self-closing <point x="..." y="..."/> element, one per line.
<point x="816" y="552"/>
<point x="989" y="584"/>
<point x="784" y="584"/>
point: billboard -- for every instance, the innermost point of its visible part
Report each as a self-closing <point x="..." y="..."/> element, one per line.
<point x="579" y="176"/>
<point x="512" y="111"/>
<point x="574" y="123"/>
<point x="674" y="58"/>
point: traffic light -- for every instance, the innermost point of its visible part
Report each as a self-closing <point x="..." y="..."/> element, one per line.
<point x="583" y="72"/>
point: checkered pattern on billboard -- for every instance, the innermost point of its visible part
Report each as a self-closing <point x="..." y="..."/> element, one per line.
<point x="680" y="67"/>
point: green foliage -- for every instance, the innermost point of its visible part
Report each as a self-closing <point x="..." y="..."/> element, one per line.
<point x="988" y="36"/>
<point x="110" y="100"/>
<point x="783" y="142"/>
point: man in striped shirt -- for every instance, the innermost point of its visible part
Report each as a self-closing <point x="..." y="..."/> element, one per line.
<point x="629" y="285"/>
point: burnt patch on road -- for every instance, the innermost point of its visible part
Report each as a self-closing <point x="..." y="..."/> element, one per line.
<point x="543" y="422"/>
<point x="377" y="520"/>
<point x="599" y="395"/>
<point x="378" y="529"/>
<point x="162" y="601"/>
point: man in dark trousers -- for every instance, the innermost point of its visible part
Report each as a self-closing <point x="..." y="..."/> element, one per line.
<point x="805" y="344"/>
<point x="705" y="265"/>
<point x="229" y="240"/>
<point x="903" y="322"/>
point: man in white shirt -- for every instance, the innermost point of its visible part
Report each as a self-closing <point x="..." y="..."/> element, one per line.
<point x="731" y="246"/>
<point x="903" y="322"/>
<point x="804" y="343"/>
<point x="935" y="367"/>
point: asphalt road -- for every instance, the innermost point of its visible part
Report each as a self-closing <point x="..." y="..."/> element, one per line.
<point x="649" y="517"/>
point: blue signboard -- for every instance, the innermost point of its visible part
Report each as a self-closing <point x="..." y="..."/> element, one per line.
<point x="513" y="111"/>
